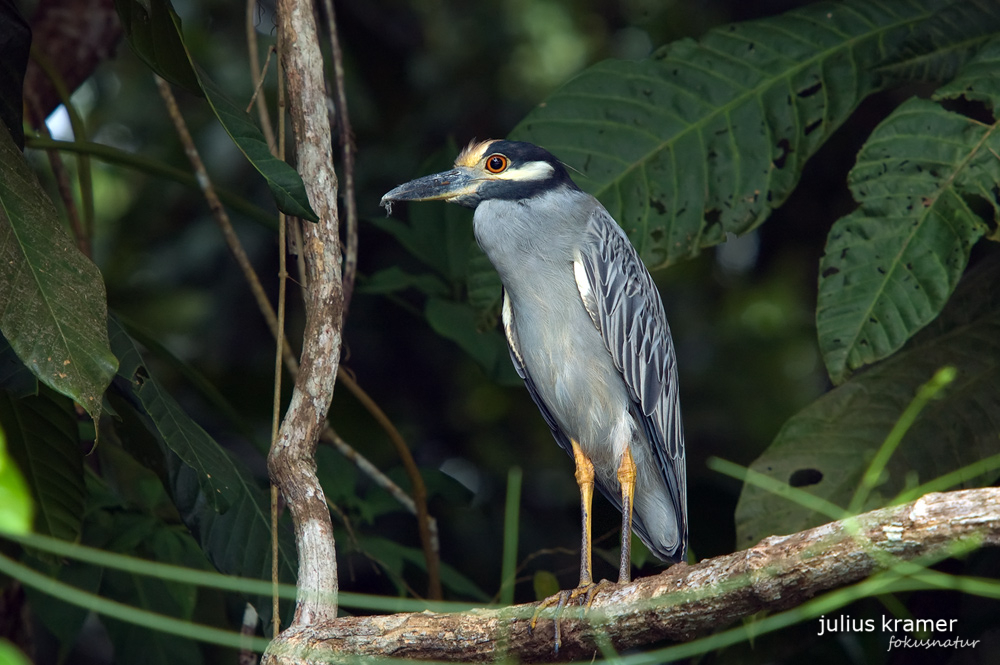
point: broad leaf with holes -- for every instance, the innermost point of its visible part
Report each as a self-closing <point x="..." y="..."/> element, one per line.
<point x="891" y="265"/>
<point x="705" y="138"/>
<point x="826" y="447"/>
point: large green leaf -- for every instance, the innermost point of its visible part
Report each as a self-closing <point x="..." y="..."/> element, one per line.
<point x="219" y="502"/>
<point x="53" y="310"/>
<point x="286" y="186"/>
<point x="826" y="448"/>
<point x="890" y="266"/>
<point x="170" y="424"/>
<point x="460" y="323"/>
<point x="42" y="439"/>
<point x="706" y="138"/>
<point x="153" y="30"/>
<point x="151" y="538"/>
<point x="939" y="46"/>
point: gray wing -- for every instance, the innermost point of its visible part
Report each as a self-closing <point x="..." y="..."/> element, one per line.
<point x="624" y="304"/>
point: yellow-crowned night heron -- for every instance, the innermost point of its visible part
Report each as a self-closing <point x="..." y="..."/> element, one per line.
<point x="587" y="333"/>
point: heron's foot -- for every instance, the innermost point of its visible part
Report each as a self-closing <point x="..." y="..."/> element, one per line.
<point x="585" y="592"/>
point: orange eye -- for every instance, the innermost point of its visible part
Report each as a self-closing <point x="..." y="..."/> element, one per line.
<point x="497" y="163"/>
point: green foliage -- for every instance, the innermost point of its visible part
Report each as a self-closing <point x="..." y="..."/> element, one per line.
<point x="703" y="139"/>
<point x="42" y="437"/>
<point x="891" y="265"/>
<point x="52" y="302"/>
<point x="706" y="138"/>
<point x="154" y="32"/>
<point x="462" y="289"/>
<point x="16" y="508"/>
<point x="11" y="655"/>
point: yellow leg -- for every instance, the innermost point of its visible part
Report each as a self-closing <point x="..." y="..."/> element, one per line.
<point x="586" y="589"/>
<point x="585" y="480"/>
<point x="626" y="478"/>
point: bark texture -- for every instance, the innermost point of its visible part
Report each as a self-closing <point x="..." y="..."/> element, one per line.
<point x="292" y="460"/>
<point x="682" y="602"/>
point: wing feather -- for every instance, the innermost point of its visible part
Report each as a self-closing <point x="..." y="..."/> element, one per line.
<point x="624" y="304"/>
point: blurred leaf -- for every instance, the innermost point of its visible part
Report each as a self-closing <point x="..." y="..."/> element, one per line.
<point x="706" y="138"/>
<point x="460" y="323"/>
<point x="42" y="438"/>
<point x="168" y="422"/>
<point x="545" y="584"/>
<point x="11" y="655"/>
<point x="939" y="46"/>
<point x="15" y="44"/>
<point x="16" y="509"/>
<point x="391" y="555"/>
<point x="156" y="36"/>
<point x="53" y="309"/>
<point x="153" y="30"/>
<point x="150" y="538"/>
<point x="286" y="185"/>
<point x="64" y="620"/>
<point x="394" y="279"/>
<point x="890" y="266"/>
<point x="826" y="447"/>
<point x="485" y="290"/>
<point x="438" y="234"/>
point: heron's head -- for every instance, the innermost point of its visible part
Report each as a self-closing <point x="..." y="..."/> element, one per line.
<point x="493" y="169"/>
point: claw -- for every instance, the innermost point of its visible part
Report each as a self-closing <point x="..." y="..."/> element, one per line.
<point x="563" y="598"/>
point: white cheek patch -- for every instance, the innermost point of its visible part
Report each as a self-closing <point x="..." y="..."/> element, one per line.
<point x="532" y="171"/>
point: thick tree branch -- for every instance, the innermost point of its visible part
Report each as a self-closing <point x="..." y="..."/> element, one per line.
<point x="680" y="603"/>
<point x="292" y="460"/>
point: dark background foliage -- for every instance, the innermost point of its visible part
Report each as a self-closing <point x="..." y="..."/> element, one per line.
<point x="422" y="80"/>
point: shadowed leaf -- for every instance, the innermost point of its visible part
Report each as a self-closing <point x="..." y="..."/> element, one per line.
<point x="826" y="448"/>
<point x="890" y="266"/>
<point x="53" y="309"/>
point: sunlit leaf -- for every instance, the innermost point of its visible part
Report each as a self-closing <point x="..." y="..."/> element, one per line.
<point x="53" y="309"/>
<point x="705" y="138"/>
<point x="826" y="448"/>
<point x="890" y="266"/>
<point x="42" y="439"/>
<point x="11" y="655"/>
<point x="16" y="508"/>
